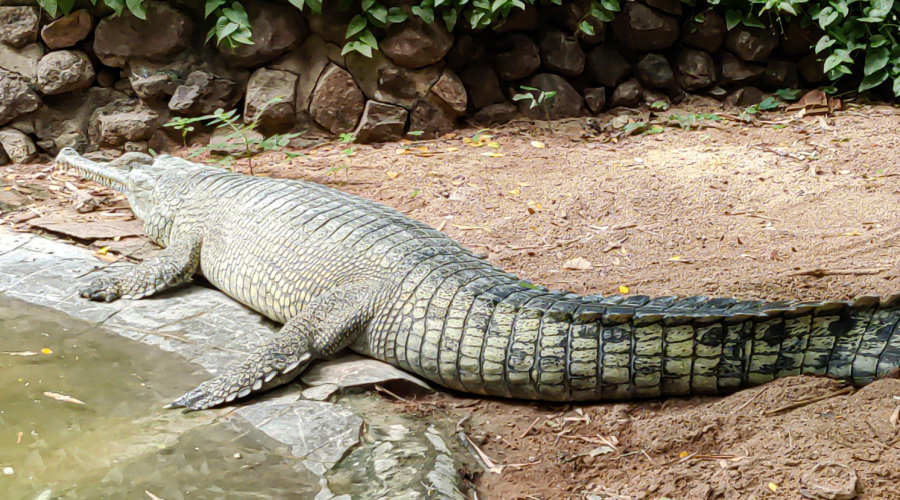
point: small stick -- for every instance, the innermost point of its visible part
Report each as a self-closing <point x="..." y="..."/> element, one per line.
<point x="389" y="393"/>
<point x="820" y="272"/>
<point x="798" y="404"/>
<point x="758" y="394"/>
<point x="536" y="419"/>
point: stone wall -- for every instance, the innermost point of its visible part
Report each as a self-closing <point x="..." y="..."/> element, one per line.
<point x="91" y="79"/>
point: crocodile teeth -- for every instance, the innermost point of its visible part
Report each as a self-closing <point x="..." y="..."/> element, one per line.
<point x="258" y="384"/>
<point x="244" y="392"/>
<point x="269" y="376"/>
<point x="291" y="367"/>
<point x="231" y="397"/>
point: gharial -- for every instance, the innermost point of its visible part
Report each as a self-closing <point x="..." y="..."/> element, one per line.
<point x="342" y="271"/>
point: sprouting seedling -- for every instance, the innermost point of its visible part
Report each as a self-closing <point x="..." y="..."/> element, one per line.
<point x="535" y="96"/>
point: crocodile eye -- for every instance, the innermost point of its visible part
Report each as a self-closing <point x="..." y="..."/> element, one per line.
<point x="142" y="180"/>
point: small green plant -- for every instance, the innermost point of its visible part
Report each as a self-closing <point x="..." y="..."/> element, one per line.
<point x="535" y="97"/>
<point x="693" y="120"/>
<point x="239" y="137"/>
<point x="659" y="105"/>
<point x="348" y="139"/>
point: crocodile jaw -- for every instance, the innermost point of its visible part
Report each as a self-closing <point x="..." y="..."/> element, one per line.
<point x="110" y="177"/>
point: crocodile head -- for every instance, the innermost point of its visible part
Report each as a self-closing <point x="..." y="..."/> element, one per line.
<point x="150" y="184"/>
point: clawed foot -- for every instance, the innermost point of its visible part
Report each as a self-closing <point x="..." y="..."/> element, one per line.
<point x="103" y="289"/>
<point x="251" y="378"/>
<point x="207" y="395"/>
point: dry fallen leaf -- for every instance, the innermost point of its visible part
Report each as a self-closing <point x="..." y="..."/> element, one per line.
<point x="623" y="289"/>
<point x="895" y="417"/>
<point x="63" y="398"/>
<point x="578" y="264"/>
<point x="514" y="192"/>
<point x="773" y="487"/>
<point x="392" y="174"/>
<point x="493" y="144"/>
<point x="537" y="144"/>
<point x="20" y="353"/>
<point x="493" y="155"/>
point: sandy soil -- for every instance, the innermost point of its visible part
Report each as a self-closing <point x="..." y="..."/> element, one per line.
<point x="779" y="207"/>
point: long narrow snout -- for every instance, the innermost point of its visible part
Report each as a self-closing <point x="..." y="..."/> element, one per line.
<point x="108" y="176"/>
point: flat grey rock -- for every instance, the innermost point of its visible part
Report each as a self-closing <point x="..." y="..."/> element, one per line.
<point x="353" y="370"/>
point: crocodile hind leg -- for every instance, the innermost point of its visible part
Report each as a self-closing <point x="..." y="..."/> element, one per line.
<point x="176" y="264"/>
<point x="331" y="322"/>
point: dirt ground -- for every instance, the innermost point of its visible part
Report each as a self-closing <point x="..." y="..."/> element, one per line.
<point x="777" y="207"/>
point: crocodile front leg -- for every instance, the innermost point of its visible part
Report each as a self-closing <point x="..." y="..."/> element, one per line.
<point x="176" y="264"/>
<point x="330" y="323"/>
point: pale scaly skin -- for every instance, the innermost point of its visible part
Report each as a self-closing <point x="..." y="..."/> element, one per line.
<point x="341" y="271"/>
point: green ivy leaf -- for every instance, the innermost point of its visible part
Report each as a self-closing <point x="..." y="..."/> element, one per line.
<point x="357" y="24"/>
<point x="396" y="15"/>
<point x="733" y="18"/>
<point x="367" y="4"/>
<point x="298" y="3"/>
<point x="211" y="6"/>
<point x="379" y="13"/>
<point x="876" y="60"/>
<point x="586" y="28"/>
<point x="873" y="80"/>
<point x="425" y="14"/>
<point x="368" y="39"/>
<point x="897" y="86"/>
<point x="137" y="8"/>
<point x="450" y="17"/>
<point x="824" y="43"/>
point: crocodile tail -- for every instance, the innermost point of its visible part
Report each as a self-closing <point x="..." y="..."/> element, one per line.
<point x="562" y="347"/>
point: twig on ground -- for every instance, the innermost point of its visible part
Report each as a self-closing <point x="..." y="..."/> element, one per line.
<point x="820" y="272"/>
<point x="382" y="390"/>
<point x="804" y="402"/>
<point x="530" y="427"/>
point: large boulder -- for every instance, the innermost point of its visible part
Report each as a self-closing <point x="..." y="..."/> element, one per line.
<point x="566" y="103"/>
<point x="707" y="33"/>
<point x="276" y="29"/>
<point x="628" y="94"/>
<point x="264" y="86"/>
<point x="166" y="31"/>
<point x="381" y="122"/>
<point x="18" y="25"/>
<point x="122" y="121"/>
<point x="22" y="60"/>
<point x="736" y="71"/>
<point x="415" y="44"/>
<point x="337" y="103"/>
<point x="18" y="146"/>
<point x="64" y="122"/>
<point x="516" y="56"/>
<point x="307" y="61"/>
<point x="696" y="69"/>
<point x="606" y="66"/>
<point x="643" y="29"/>
<point x="654" y="70"/>
<point x="432" y="117"/>
<point x="64" y="71"/>
<point x="451" y="91"/>
<point x="561" y="53"/>
<point x="384" y="81"/>
<point x="68" y="30"/>
<point x="16" y="97"/>
<point x="202" y="93"/>
<point x="483" y="86"/>
<point x="751" y="44"/>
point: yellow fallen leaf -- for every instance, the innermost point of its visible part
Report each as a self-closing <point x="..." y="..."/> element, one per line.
<point x="675" y="257"/>
<point x="773" y="487"/>
<point x="683" y="454"/>
<point x="392" y="174"/>
<point x="423" y="149"/>
<point x="493" y="155"/>
<point x="852" y="233"/>
<point x="514" y="192"/>
<point x="8" y="188"/>
<point x="523" y="184"/>
<point x="466" y="140"/>
<point x="450" y="150"/>
<point x="537" y="144"/>
<point x="400" y="151"/>
<point x="623" y="289"/>
<point x="577" y="264"/>
<point x="63" y="398"/>
<point x="46" y="350"/>
<point x="493" y="144"/>
<point x="103" y="250"/>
